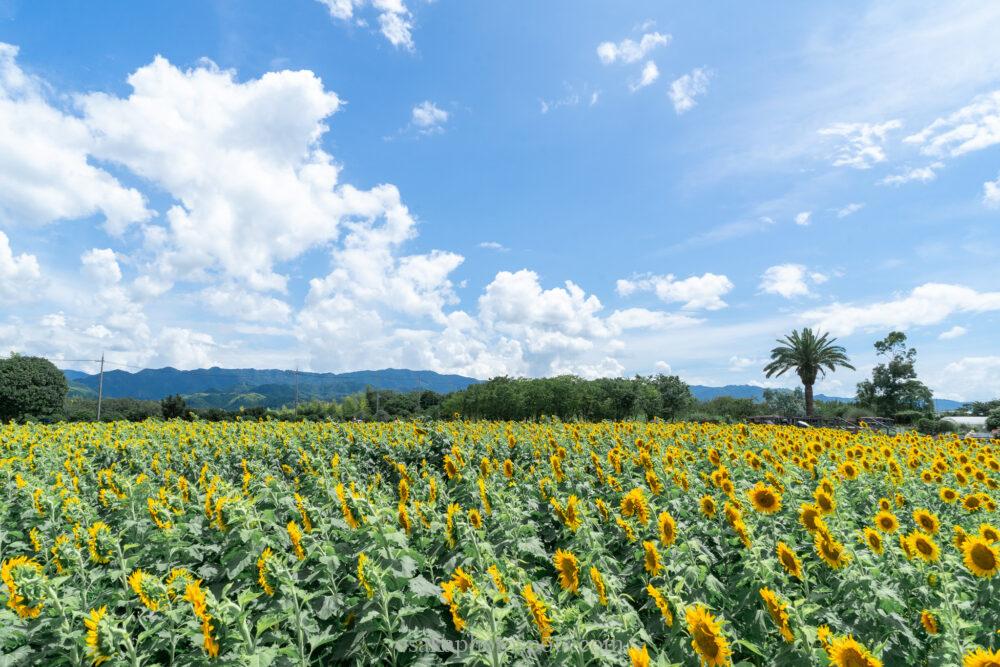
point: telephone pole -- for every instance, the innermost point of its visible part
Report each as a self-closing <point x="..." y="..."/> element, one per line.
<point x="100" y="388"/>
<point x="296" y="386"/>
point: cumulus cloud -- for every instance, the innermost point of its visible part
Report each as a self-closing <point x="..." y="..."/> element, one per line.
<point x="954" y="332"/>
<point x="650" y="73"/>
<point x="428" y="118"/>
<point x="685" y="89"/>
<point x="861" y="143"/>
<point x="242" y="162"/>
<point x="20" y="274"/>
<point x="991" y="193"/>
<point x="789" y="280"/>
<point x="244" y="305"/>
<point x="803" y="218"/>
<point x="970" y="128"/>
<point x="918" y="174"/>
<point x="394" y="18"/>
<point x="930" y="303"/>
<point x="696" y="292"/>
<point x="45" y="174"/>
<point x="630" y="51"/>
<point x="970" y="378"/>
<point x="850" y="209"/>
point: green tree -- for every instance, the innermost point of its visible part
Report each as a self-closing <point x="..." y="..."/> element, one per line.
<point x="808" y="355"/>
<point x="993" y="420"/>
<point x="784" y="402"/>
<point x="894" y="386"/>
<point x="675" y="395"/>
<point x="174" y="407"/>
<point x="30" y="388"/>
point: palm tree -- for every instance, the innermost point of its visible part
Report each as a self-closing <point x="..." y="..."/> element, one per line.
<point x="808" y="354"/>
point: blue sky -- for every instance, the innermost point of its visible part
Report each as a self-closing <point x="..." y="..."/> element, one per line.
<point x="485" y="188"/>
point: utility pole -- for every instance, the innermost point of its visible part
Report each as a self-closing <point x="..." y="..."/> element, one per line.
<point x="296" y="386"/>
<point x="100" y="388"/>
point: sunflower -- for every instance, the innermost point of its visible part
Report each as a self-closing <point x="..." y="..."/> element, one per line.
<point x="295" y="535"/>
<point x="639" y="656"/>
<point x="884" y="504"/>
<point x="824" y="501"/>
<point x="706" y="636"/>
<point x="262" y="567"/>
<point x="362" y="578"/>
<point x="148" y="588"/>
<point x="25" y="579"/>
<point x="569" y="570"/>
<point x="778" y="609"/>
<point x="809" y="517"/>
<point x="981" y="658"/>
<point x="824" y="634"/>
<point x="929" y="621"/>
<point x="830" y="550"/>
<point x="634" y="504"/>
<point x="538" y="613"/>
<point x="765" y="498"/>
<point x="989" y="533"/>
<point x="449" y="523"/>
<point x="958" y="539"/>
<point x="972" y="502"/>
<point x="668" y="529"/>
<point x="652" y="558"/>
<point x="460" y="582"/>
<point x="981" y="557"/>
<point x="598" y="581"/>
<point x="886" y="522"/>
<point x="707" y="505"/>
<point x="873" y="539"/>
<point x="571" y="515"/>
<point x="100" y="643"/>
<point x="100" y="542"/>
<point x="948" y="494"/>
<point x="927" y="521"/>
<point x="923" y="546"/>
<point x="475" y="519"/>
<point x="847" y="652"/>
<point x="661" y="603"/>
<point x="789" y="561"/>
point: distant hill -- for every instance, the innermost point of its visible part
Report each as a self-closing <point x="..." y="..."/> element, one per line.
<point x="703" y="393"/>
<point x="232" y="388"/>
<point x="247" y="387"/>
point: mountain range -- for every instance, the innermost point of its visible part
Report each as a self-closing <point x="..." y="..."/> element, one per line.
<point x="232" y="388"/>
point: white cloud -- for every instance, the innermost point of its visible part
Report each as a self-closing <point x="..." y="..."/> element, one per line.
<point x="930" y="303"/>
<point x="991" y="193"/>
<point x="245" y="305"/>
<point x="650" y="73"/>
<point x="789" y="280"/>
<point x="45" y="174"/>
<point x="739" y="364"/>
<point x="242" y="161"/>
<point x="101" y="266"/>
<point x="970" y="378"/>
<point x="803" y="218"/>
<point x="394" y="18"/>
<point x="971" y="128"/>
<point x="696" y="292"/>
<point x="493" y="245"/>
<point x="685" y="89"/>
<point x="954" y="332"/>
<point x="629" y="51"/>
<point x="662" y="367"/>
<point x="920" y="174"/>
<point x="20" y="275"/>
<point x="850" y="209"/>
<point x="862" y="142"/>
<point x="428" y="118"/>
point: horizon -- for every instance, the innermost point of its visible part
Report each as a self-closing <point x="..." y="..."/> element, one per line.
<point x="480" y="191"/>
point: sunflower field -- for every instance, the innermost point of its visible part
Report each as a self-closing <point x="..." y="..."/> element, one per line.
<point x="272" y="543"/>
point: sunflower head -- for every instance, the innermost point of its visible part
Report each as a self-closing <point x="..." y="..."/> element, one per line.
<point x="652" y="558"/>
<point x="980" y="556"/>
<point x="102" y="644"/>
<point x="569" y="570"/>
<point x="982" y="658"/>
<point x="765" y="498"/>
<point x="707" y="639"/>
<point x="639" y="656"/>
<point x="668" y="529"/>
<point x="926" y="520"/>
<point x="789" y="561"/>
<point x="707" y="505"/>
<point x="26" y="584"/>
<point x="873" y="539"/>
<point x="989" y="532"/>
<point x="886" y="521"/>
<point x="929" y="621"/>
<point x="847" y="652"/>
<point x="923" y="546"/>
